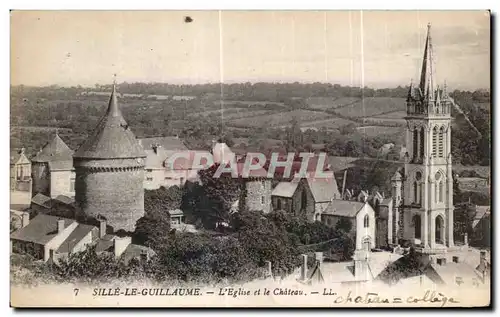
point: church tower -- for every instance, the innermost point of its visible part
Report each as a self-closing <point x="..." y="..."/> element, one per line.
<point x="427" y="211"/>
<point x="109" y="169"/>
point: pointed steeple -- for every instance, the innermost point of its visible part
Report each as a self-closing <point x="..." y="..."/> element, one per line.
<point x="113" y="109"/>
<point x="427" y="75"/>
<point x="112" y="138"/>
<point x="411" y="90"/>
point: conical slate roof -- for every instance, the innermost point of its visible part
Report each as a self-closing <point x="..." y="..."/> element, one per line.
<point x="112" y="138"/>
<point x="55" y="150"/>
<point x="427" y="74"/>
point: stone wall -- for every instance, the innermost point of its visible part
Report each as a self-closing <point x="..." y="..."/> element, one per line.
<point x="60" y="183"/>
<point x="257" y="195"/>
<point x="114" y="193"/>
<point x="40" y="179"/>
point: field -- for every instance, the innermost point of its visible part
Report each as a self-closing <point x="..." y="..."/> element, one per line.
<point x="324" y="103"/>
<point x="379" y="130"/>
<point x="38" y="129"/>
<point x="382" y="121"/>
<point x="393" y="115"/>
<point x="329" y="124"/>
<point x="277" y="119"/>
<point x="372" y="107"/>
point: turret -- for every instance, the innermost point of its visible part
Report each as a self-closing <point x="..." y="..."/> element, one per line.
<point x="110" y="171"/>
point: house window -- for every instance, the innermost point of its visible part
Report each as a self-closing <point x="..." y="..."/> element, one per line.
<point x="278" y="204"/>
<point x="262" y="199"/>
<point x="149" y="170"/>
<point x="149" y="179"/>
<point x="366" y="221"/>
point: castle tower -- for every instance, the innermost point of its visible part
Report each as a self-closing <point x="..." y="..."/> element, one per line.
<point x="110" y="171"/>
<point x="427" y="181"/>
<point x="52" y="170"/>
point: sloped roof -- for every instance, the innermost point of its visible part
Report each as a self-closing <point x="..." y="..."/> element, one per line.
<point x="61" y="165"/>
<point x="222" y="153"/>
<point x="134" y="251"/>
<point x="160" y="159"/>
<point x="41" y="229"/>
<point x="323" y="189"/>
<point x="168" y="143"/>
<point x="76" y="236"/>
<point x="105" y="244"/>
<point x="343" y="208"/>
<point x="55" y="150"/>
<point x="175" y="212"/>
<point x="285" y="189"/>
<point x="481" y="212"/>
<point x="41" y="199"/>
<point x="112" y="138"/>
<point x="16" y="155"/>
<point x="386" y="201"/>
<point x="64" y="199"/>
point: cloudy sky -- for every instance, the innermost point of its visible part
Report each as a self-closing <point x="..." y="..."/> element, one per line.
<point x="377" y="48"/>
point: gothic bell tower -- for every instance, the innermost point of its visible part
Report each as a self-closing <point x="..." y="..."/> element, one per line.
<point x="427" y="209"/>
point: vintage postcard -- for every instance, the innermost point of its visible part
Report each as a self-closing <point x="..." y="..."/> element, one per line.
<point x="250" y="159"/>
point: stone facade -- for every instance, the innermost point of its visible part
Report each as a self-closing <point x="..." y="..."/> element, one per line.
<point x="20" y="171"/>
<point x="301" y="203"/>
<point x="112" y="189"/>
<point x="257" y="195"/>
<point x="41" y="178"/>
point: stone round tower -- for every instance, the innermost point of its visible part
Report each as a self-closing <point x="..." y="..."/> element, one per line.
<point x="109" y="169"/>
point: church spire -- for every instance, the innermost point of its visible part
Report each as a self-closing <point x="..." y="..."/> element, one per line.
<point x="427" y="75"/>
<point x="113" y="109"/>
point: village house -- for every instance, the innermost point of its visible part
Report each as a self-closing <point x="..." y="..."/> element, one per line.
<point x="52" y="170"/>
<point x="159" y="171"/>
<point x="294" y="197"/>
<point x="20" y="171"/>
<point x="53" y="238"/>
<point x="357" y="218"/>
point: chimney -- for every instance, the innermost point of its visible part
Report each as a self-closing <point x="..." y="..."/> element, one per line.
<point x="120" y="244"/>
<point x="25" y="219"/>
<point x="60" y="225"/>
<point x="102" y="228"/>
<point x="269" y="269"/>
<point x="318" y="256"/>
<point x="303" y="269"/>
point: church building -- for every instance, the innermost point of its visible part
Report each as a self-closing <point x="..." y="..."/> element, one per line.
<point x="423" y="191"/>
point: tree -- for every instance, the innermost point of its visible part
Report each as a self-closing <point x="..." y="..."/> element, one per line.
<point x="220" y="192"/>
<point x="344" y="225"/>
